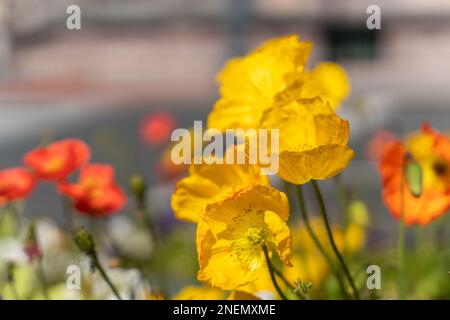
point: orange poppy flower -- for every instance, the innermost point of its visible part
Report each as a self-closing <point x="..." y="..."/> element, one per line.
<point x="57" y="160"/>
<point x="96" y="192"/>
<point x="429" y="150"/>
<point x="15" y="184"/>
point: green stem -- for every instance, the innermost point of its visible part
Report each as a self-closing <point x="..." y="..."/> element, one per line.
<point x="323" y="212"/>
<point x="272" y="274"/>
<point x="343" y="198"/>
<point x="43" y="279"/>
<point x="401" y="247"/>
<point x="14" y="291"/>
<point x="316" y="241"/>
<point x="401" y="259"/>
<point x="289" y="285"/>
<point x="148" y="221"/>
<point x="16" y="214"/>
<point x="105" y="277"/>
<point x="283" y="278"/>
<point x="3" y="214"/>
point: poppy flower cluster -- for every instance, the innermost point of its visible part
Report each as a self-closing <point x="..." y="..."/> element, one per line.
<point x="271" y="88"/>
<point x="95" y="194"/>
<point x="241" y="219"/>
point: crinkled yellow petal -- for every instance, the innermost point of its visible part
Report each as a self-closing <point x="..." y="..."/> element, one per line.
<point x="211" y="183"/>
<point x="319" y="163"/>
<point x="199" y="293"/>
<point x="192" y="195"/>
<point x="221" y="214"/>
<point x="305" y="124"/>
<point x="249" y="84"/>
<point x="329" y="81"/>
<point x="204" y="241"/>
<point x="281" y="234"/>
<point x="231" y="233"/>
<point x="223" y="270"/>
<point x="261" y="286"/>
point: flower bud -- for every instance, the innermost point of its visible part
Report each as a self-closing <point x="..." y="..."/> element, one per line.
<point x="139" y="187"/>
<point x="84" y="241"/>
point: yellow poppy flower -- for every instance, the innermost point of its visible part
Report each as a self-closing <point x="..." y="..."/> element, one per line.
<point x="249" y="84"/>
<point x="232" y="233"/>
<point x="313" y="138"/>
<point x="208" y="183"/>
<point x="199" y="293"/>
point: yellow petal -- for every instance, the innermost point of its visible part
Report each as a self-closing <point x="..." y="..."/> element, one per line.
<point x="249" y="84"/>
<point x="219" y="215"/>
<point x="320" y="163"/>
<point x="209" y="184"/>
<point x="223" y="270"/>
<point x="305" y="124"/>
<point x="282" y="236"/>
<point x="329" y="81"/>
<point x="191" y="197"/>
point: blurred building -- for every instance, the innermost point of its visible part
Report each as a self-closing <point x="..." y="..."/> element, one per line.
<point x="170" y="50"/>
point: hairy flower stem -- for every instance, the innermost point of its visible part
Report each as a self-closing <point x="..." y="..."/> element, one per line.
<point x="272" y="274"/>
<point x="288" y="284"/>
<point x="43" y="279"/>
<point x="401" y="247"/>
<point x="316" y="241"/>
<point x="401" y="259"/>
<point x="323" y="212"/>
<point x="283" y="278"/>
<point x="148" y="221"/>
<point x="105" y="276"/>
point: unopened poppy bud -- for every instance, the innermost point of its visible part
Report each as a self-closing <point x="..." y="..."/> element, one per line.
<point x="302" y="288"/>
<point x="139" y="187"/>
<point x="84" y="241"/>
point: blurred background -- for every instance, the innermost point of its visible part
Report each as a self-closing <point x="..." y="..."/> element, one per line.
<point x="132" y="58"/>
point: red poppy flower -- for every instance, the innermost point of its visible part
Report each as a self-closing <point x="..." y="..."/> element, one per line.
<point x="15" y="184"/>
<point x="430" y="150"/>
<point x="57" y="160"/>
<point x="157" y="128"/>
<point x="96" y="193"/>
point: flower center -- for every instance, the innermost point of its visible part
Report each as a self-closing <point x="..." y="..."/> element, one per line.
<point x="440" y="168"/>
<point x="255" y="236"/>
<point x="247" y="236"/>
